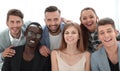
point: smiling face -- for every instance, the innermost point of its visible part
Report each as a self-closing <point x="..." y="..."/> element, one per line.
<point x="107" y="34"/>
<point x="53" y="21"/>
<point x="89" y="19"/>
<point x="71" y="35"/>
<point x="33" y="35"/>
<point x="14" y="24"/>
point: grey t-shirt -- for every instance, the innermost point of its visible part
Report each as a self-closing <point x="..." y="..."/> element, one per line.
<point x="55" y="41"/>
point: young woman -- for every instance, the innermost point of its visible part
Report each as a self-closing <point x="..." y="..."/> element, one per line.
<point x="71" y="56"/>
<point x="88" y="26"/>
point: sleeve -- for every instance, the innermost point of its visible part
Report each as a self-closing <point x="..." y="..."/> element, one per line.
<point x="94" y="63"/>
<point x="42" y="41"/>
<point x="6" y="65"/>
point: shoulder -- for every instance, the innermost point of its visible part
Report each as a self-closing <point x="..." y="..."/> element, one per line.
<point x="97" y="53"/>
<point x="54" y="52"/>
<point x="4" y="32"/>
<point x="87" y="54"/>
<point x="19" y="48"/>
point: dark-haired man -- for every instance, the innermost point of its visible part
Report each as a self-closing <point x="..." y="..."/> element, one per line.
<point x="51" y="38"/>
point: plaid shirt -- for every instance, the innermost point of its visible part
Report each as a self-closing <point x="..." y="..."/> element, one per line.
<point x="93" y="41"/>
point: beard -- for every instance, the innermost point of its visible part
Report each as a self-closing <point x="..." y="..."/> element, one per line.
<point x="54" y="31"/>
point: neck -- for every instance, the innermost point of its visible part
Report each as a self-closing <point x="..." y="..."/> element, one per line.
<point x="71" y="49"/>
<point x="29" y="50"/>
<point x="93" y="30"/>
<point x="16" y="35"/>
<point x="112" y="50"/>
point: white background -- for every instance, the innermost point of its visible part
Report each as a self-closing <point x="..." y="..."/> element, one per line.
<point x="34" y="9"/>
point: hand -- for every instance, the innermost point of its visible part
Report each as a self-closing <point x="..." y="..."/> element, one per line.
<point x="8" y="52"/>
<point x="66" y="21"/>
<point x="44" y="51"/>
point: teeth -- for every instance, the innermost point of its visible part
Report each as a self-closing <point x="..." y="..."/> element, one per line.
<point x="89" y="24"/>
<point x="32" y="41"/>
<point x="108" y="40"/>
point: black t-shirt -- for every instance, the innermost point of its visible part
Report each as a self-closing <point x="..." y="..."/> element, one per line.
<point x="113" y="67"/>
<point x="26" y="65"/>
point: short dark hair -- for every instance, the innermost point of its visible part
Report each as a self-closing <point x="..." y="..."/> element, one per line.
<point x="52" y="9"/>
<point x="105" y="21"/>
<point x="15" y="12"/>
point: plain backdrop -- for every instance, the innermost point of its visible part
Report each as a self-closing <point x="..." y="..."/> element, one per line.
<point x="34" y="9"/>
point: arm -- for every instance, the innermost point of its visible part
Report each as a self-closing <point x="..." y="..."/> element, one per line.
<point x="94" y="65"/>
<point x="87" y="65"/>
<point x="54" y="62"/>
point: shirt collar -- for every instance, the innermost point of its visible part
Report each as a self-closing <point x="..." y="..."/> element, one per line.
<point x="11" y="38"/>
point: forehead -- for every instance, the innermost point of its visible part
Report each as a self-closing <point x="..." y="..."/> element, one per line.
<point x="71" y="28"/>
<point x="87" y="12"/>
<point x="34" y="29"/>
<point x="52" y="14"/>
<point x="14" y="17"/>
<point x="104" y="27"/>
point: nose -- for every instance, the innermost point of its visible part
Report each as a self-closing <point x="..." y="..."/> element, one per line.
<point x="70" y="34"/>
<point x="52" y="22"/>
<point x="15" y="25"/>
<point x="106" y="35"/>
<point x="88" y="19"/>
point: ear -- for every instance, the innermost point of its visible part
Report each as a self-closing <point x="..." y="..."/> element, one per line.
<point x="97" y="18"/>
<point x="116" y="32"/>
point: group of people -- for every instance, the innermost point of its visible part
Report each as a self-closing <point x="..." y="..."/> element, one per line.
<point x="62" y="45"/>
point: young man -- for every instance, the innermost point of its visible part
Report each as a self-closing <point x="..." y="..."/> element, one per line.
<point x="27" y="57"/>
<point x="107" y="58"/>
<point x="51" y="38"/>
<point x="13" y="36"/>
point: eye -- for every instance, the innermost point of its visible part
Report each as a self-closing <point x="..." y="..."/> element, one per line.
<point x="91" y="16"/>
<point x="66" y="32"/>
<point x="38" y="35"/>
<point x="84" y="18"/>
<point x="18" y="22"/>
<point x="56" y="19"/>
<point x="73" y="32"/>
<point x="109" y="31"/>
<point x="29" y="33"/>
<point x="101" y="33"/>
<point x="48" y="20"/>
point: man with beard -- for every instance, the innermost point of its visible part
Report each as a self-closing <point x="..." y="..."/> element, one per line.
<point x="27" y="57"/>
<point x="51" y="38"/>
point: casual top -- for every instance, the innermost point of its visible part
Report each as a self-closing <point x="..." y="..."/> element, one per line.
<point x="46" y="37"/>
<point x="99" y="60"/>
<point x="5" y="40"/>
<point x="55" y="41"/>
<point x="113" y="67"/>
<point x="40" y="63"/>
<point x="63" y="66"/>
<point x="93" y="41"/>
<point x="26" y="65"/>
